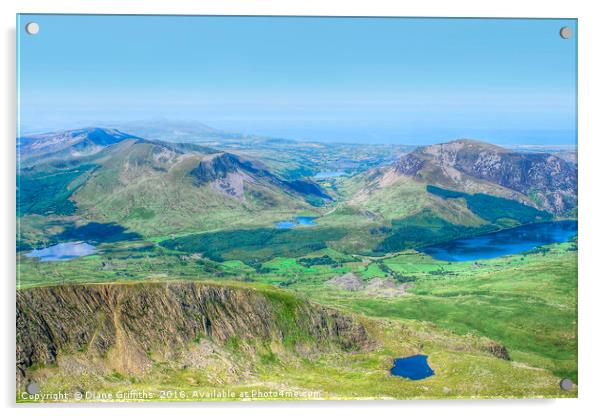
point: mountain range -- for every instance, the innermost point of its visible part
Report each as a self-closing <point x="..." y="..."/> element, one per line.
<point x="157" y="188"/>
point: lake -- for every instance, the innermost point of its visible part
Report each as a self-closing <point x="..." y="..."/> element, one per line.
<point x="415" y="367"/>
<point x="297" y="221"/>
<point x="63" y="251"/>
<point x="98" y="232"/>
<point x="502" y="243"/>
<point x="329" y="174"/>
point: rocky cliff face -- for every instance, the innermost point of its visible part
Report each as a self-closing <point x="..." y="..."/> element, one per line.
<point x="549" y="181"/>
<point x="217" y="167"/>
<point x="129" y="326"/>
<point x="228" y="174"/>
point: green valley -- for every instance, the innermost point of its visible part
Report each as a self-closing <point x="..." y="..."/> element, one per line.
<point x="203" y="236"/>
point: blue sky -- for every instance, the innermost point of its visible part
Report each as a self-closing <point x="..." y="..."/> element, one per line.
<point x="334" y="79"/>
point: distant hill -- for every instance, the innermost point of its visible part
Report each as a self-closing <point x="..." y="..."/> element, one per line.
<point x="185" y="131"/>
<point x="70" y="143"/>
<point x="545" y="180"/>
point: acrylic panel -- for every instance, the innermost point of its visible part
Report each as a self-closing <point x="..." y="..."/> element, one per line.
<point x="295" y="208"/>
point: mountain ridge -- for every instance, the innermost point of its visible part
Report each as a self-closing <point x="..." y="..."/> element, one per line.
<point x="547" y="181"/>
<point x="77" y="142"/>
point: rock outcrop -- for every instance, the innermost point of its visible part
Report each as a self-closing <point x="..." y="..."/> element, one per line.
<point x="386" y="287"/>
<point x="349" y="281"/>
<point x="499" y="351"/>
<point x="129" y="326"/>
<point x="383" y="287"/>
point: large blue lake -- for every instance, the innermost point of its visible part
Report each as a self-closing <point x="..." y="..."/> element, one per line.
<point x="62" y="251"/>
<point x="502" y="243"/>
<point x="415" y="367"/>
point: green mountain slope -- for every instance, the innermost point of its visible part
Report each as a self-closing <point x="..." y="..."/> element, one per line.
<point x="158" y="188"/>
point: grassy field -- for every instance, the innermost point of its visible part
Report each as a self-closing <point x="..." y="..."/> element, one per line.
<point x="526" y="302"/>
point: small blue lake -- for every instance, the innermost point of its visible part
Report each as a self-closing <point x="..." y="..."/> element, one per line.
<point x="329" y="174"/>
<point x="295" y="222"/>
<point x="63" y="251"/>
<point x="505" y="242"/>
<point x="415" y="367"/>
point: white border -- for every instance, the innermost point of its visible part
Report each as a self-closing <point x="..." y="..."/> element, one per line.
<point x="590" y="162"/>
